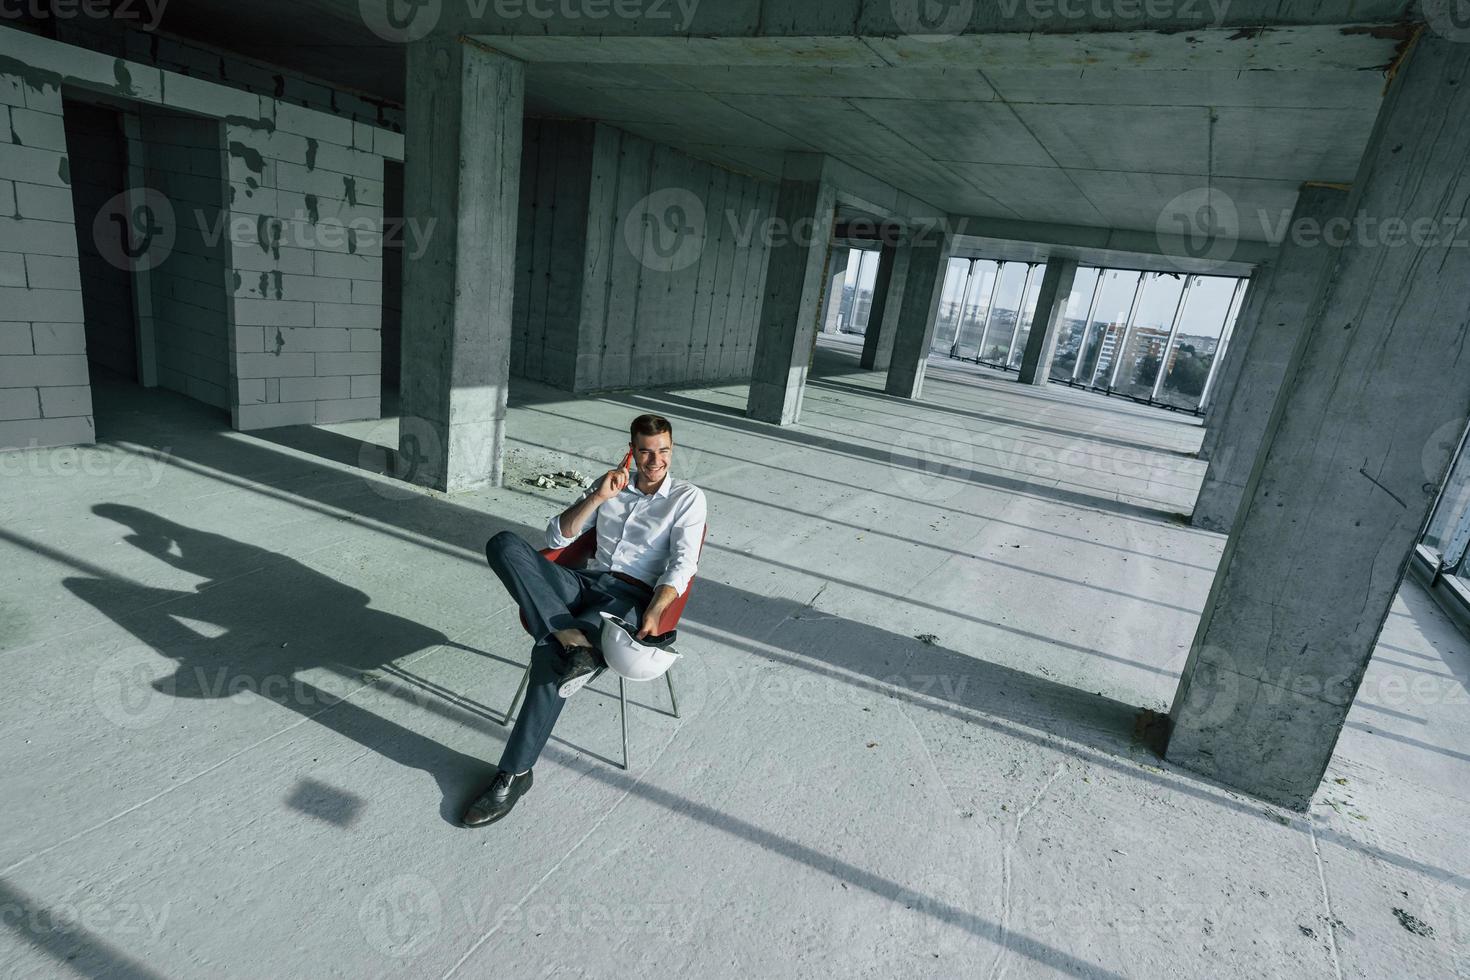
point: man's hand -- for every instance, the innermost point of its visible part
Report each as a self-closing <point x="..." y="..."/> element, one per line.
<point x="613" y="483"/>
<point x="663" y="597"/>
<point x="574" y="519"/>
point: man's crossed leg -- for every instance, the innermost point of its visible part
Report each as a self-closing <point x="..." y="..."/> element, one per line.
<point x="560" y="607"/>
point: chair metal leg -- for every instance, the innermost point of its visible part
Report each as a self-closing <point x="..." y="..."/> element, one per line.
<point x="623" y="701"/>
<point x="520" y="691"/>
<point x="669" y="676"/>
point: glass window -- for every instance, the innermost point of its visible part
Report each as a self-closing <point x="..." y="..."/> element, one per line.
<point x="1449" y="528"/>
<point x="977" y="302"/>
<point x="1028" y="314"/>
<point x="1106" y="329"/>
<point x="950" y="298"/>
<point x="1212" y="305"/>
<point x="1148" y="341"/>
<point x="996" y="344"/>
<point x="1073" y="330"/>
<point x="867" y="275"/>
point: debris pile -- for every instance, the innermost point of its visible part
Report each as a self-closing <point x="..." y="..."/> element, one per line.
<point x="554" y="481"/>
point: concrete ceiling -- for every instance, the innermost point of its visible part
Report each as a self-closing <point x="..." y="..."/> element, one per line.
<point x="1047" y="129"/>
<point x="1013" y="118"/>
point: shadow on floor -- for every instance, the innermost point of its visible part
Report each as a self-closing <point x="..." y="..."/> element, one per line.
<point x="1094" y="728"/>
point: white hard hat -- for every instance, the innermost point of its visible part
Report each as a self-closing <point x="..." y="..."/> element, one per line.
<point x="630" y="658"/>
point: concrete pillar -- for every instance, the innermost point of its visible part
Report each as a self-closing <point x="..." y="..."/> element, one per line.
<point x="1046" y="324"/>
<point x="836" y="279"/>
<point x="1271" y="322"/>
<point x="1353" y="457"/>
<point x="461" y="172"/>
<point x="893" y="272"/>
<point x="795" y="287"/>
<point x="918" y="311"/>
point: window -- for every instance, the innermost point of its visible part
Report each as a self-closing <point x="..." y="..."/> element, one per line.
<point x="1147" y="340"/>
<point x="1213" y="303"/>
<point x="1000" y="328"/>
<point x="1028" y="314"/>
<point x="1115" y="299"/>
<point x="1072" y="333"/>
<point x="1449" y="529"/>
<point x="947" y="324"/>
<point x="1154" y="336"/>
<point x="864" y="278"/>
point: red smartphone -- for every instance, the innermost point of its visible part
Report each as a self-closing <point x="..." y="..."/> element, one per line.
<point x="626" y="461"/>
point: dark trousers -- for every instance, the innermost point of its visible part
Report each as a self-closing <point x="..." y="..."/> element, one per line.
<point x="552" y="598"/>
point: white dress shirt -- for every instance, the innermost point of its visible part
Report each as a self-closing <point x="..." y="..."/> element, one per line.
<point x="654" y="537"/>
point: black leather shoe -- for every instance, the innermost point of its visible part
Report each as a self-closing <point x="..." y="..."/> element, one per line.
<point x="581" y="667"/>
<point x="499" y="799"/>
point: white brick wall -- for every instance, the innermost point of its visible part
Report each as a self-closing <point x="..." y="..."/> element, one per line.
<point x="230" y="325"/>
<point x="44" y="395"/>
<point x="307" y="310"/>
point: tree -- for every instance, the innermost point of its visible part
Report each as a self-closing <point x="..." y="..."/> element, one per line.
<point x="1189" y="374"/>
<point x="1148" y="370"/>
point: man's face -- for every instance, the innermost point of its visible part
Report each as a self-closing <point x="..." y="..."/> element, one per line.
<point x="651" y="455"/>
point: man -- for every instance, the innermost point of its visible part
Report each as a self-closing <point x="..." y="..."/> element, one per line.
<point x="649" y="530"/>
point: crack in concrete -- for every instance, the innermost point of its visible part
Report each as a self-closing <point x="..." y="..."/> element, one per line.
<point x="1326" y="902"/>
<point x="1002" y="962"/>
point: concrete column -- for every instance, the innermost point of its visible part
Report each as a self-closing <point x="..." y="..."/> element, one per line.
<point x="794" y="290"/>
<point x="1353" y="457"/>
<point x="461" y="171"/>
<point x="1270" y="325"/>
<point x="836" y="278"/>
<point x="1046" y="323"/>
<point x="893" y="272"/>
<point x="918" y="311"/>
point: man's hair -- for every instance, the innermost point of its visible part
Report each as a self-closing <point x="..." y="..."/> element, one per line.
<point x="649" y="425"/>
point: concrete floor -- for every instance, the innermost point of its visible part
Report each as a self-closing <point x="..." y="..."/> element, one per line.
<point x="251" y="686"/>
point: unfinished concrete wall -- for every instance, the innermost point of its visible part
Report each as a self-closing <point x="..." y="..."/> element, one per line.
<point x="393" y="247"/>
<point x="45" y="398"/>
<point x="187" y="286"/>
<point x="305" y="262"/>
<point x="98" y="155"/>
<point x="277" y="212"/>
<point x="636" y="265"/>
<point x="227" y="68"/>
<point x="672" y="312"/>
<point x="551" y="250"/>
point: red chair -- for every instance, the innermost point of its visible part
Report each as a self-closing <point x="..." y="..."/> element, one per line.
<point x="577" y="555"/>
